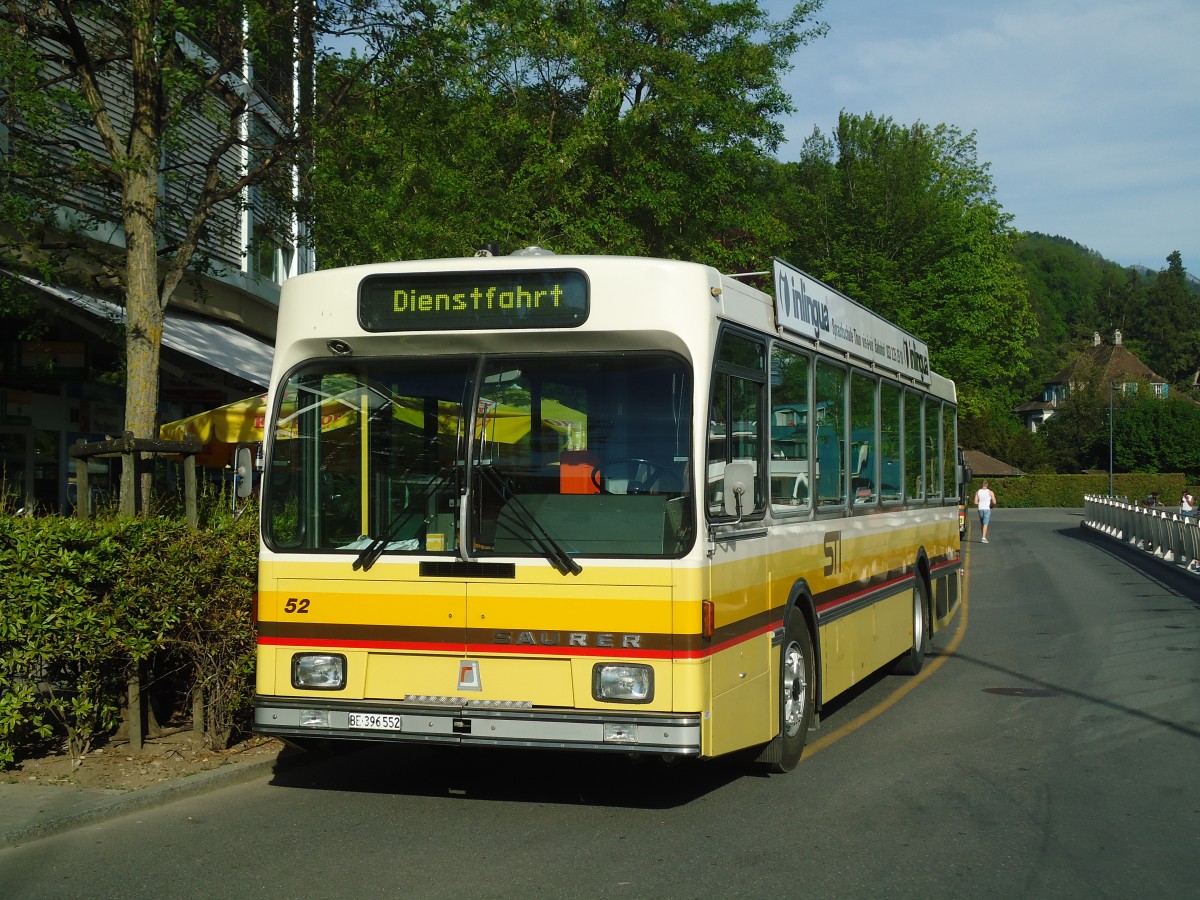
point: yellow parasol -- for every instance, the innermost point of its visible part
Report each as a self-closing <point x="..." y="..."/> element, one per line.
<point x="220" y="430"/>
<point x="240" y="422"/>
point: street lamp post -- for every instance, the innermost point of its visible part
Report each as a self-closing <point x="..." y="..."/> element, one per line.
<point x="1110" y="438"/>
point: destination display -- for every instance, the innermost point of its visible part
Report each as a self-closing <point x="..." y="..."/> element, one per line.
<point x="812" y="309"/>
<point x="473" y="300"/>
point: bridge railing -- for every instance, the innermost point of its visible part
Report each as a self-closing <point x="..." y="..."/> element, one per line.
<point x="1168" y="536"/>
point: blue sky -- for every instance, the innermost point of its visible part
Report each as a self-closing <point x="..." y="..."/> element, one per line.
<point x="1088" y="111"/>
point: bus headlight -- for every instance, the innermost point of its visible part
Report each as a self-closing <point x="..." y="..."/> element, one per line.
<point x="622" y="683"/>
<point x="319" y="671"/>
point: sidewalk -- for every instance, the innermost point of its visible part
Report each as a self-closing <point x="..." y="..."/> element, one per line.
<point x="29" y="811"/>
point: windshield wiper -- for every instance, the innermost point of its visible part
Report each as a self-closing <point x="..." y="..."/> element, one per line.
<point x="371" y="553"/>
<point x="551" y="549"/>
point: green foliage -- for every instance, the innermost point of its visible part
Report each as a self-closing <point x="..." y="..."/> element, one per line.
<point x="637" y="128"/>
<point x="1067" y="491"/>
<point x="60" y="635"/>
<point x="215" y="635"/>
<point x="143" y="80"/>
<point x="1172" y="326"/>
<point x="1152" y="435"/>
<point x="905" y="220"/>
<point x="999" y="435"/>
<point x="1073" y="292"/>
<point x="83" y="603"/>
<point x="1148" y="434"/>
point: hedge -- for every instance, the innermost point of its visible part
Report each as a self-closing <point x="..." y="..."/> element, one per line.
<point x="1067" y="491"/>
<point x="84" y="604"/>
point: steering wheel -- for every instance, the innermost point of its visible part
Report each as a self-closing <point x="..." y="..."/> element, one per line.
<point x="644" y="475"/>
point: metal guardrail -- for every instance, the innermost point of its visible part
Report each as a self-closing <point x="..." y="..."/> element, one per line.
<point x="1168" y="536"/>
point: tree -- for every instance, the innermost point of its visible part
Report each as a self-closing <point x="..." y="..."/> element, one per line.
<point x="142" y="107"/>
<point x="621" y="126"/>
<point x="1149" y="434"/>
<point x="1153" y="435"/>
<point x="1172" y="323"/>
<point x="998" y="434"/>
<point x="1074" y="293"/>
<point x="905" y="221"/>
<point x="1120" y="303"/>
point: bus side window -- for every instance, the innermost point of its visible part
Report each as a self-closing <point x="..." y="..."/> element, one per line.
<point x="890" y="439"/>
<point x="789" y="462"/>
<point x="830" y="430"/>
<point x="933" y="465"/>
<point x="949" y="451"/>
<point x="736" y="417"/>
<point x="914" y="484"/>
<point x="863" y="410"/>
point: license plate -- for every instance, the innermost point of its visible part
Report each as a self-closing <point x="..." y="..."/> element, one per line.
<point x="376" y="721"/>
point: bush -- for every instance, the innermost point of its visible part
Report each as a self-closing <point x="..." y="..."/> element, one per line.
<point x="84" y="604"/>
<point x="1067" y="491"/>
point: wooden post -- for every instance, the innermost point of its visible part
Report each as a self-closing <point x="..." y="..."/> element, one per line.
<point x="129" y="478"/>
<point x="83" y="494"/>
<point x="198" y="714"/>
<point x="189" y="491"/>
<point x="136" y="734"/>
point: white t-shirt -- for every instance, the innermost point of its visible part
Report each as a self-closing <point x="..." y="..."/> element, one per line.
<point x="984" y="497"/>
<point x="1186" y="503"/>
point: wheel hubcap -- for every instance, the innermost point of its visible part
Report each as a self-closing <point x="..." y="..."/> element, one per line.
<point x="918" y="621"/>
<point x="795" y="689"/>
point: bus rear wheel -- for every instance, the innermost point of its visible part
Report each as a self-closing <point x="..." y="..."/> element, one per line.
<point x="912" y="661"/>
<point x="797" y="683"/>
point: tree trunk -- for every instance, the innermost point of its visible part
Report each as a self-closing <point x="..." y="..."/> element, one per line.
<point x="143" y="311"/>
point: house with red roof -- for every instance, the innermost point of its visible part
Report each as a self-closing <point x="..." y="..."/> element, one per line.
<point x="1110" y="363"/>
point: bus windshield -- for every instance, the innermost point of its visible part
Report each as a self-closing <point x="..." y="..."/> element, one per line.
<point x="587" y="455"/>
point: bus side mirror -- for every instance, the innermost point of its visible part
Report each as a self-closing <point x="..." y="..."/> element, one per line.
<point x="964" y="474"/>
<point x="243" y="471"/>
<point x="738" y="488"/>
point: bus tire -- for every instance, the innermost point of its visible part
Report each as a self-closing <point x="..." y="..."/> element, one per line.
<point x="912" y="661"/>
<point x="797" y="685"/>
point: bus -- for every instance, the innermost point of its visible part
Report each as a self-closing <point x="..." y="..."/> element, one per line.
<point x="594" y="503"/>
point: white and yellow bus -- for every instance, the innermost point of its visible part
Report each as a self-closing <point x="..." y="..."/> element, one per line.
<point x="594" y="503"/>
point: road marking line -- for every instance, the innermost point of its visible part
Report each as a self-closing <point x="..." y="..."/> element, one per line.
<point x="903" y="691"/>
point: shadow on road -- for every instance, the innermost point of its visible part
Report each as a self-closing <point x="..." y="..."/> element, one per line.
<point x="1032" y="687"/>
<point x="538" y="776"/>
<point x="529" y="775"/>
<point x="1175" y="580"/>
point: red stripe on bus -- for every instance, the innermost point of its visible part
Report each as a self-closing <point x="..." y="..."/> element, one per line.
<point x="841" y="599"/>
<point x="514" y="650"/>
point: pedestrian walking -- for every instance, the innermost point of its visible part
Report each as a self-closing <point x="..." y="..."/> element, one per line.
<point x="985" y="499"/>
<point x="1187" y="504"/>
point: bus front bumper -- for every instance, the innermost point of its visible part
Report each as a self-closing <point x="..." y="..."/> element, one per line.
<point x="316" y="719"/>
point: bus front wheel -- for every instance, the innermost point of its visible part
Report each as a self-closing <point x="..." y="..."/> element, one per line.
<point x="797" y="683"/>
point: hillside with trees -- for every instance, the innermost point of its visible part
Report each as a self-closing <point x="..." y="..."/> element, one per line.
<point x="1077" y="294"/>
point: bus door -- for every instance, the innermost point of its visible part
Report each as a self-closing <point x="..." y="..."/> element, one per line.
<point x="738" y="584"/>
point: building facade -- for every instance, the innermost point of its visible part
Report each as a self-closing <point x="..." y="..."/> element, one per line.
<point x="61" y="368"/>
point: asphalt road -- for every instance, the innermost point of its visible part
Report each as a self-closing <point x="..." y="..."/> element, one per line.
<point x="1050" y="750"/>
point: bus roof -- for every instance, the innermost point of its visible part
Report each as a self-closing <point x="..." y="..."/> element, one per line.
<point x="321" y="306"/>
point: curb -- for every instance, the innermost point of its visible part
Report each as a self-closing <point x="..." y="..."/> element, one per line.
<point x="193" y="785"/>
